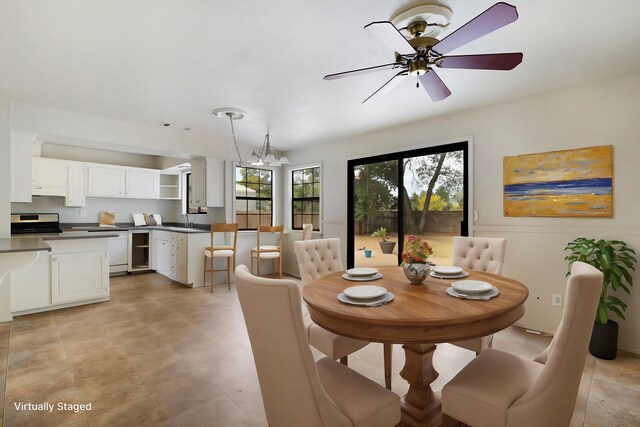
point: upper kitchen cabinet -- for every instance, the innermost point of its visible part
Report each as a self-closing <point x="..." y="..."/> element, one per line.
<point x="170" y="186"/>
<point x="207" y="182"/>
<point x="75" y="186"/>
<point x="105" y="181"/>
<point x="21" y="147"/>
<point x="48" y="177"/>
<point x="142" y="184"/>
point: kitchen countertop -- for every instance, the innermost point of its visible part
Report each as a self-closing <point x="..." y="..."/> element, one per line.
<point x="38" y="242"/>
<point x="93" y="228"/>
<point x="23" y="245"/>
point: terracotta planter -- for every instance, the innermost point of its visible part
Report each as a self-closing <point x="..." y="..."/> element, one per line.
<point x="387" y="247"/>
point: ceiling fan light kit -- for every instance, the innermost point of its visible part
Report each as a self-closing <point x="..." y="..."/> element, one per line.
<point x="413" y="37"/>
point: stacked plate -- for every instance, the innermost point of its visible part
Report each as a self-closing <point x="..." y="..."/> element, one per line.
<point x="361" y="274"/>
<point x="365" y="295"/>
<point x="448" y="272"/>
<point x="473" y="289"/>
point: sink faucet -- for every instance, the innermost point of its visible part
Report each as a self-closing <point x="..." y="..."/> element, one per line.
<point x="187" y="223"/>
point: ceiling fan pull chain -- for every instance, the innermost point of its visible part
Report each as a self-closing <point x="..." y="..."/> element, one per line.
<point x="418" y="80"/>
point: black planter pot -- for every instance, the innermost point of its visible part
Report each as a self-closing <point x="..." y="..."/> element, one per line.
<point x="387" y="247"/>
<point x="604" y="340"/>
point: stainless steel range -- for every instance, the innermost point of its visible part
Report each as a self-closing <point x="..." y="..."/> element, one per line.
<point x="32" y="223"/>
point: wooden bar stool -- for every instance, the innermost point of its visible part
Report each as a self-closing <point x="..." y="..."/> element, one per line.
<point x="212" y="252"/>
<point x="271" y="252"/>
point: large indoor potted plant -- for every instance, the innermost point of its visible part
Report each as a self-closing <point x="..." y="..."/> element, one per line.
<point x="616" y="261"/>
<point x="385" y="245"/>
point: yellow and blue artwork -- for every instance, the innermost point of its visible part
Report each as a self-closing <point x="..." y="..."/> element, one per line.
<point x="567" y="183"/>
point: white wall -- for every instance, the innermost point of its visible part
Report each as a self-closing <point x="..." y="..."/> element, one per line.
<point x="123" y="208"/>
<point x="67" y="152"/>
<point x="597" y="113"/>
<point x="5" y="167"/>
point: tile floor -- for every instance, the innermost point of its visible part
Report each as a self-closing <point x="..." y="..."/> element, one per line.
<point x="162" y="354"/>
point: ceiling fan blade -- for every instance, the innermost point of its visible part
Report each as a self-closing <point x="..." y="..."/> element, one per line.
<point x="491" y="61"/>
<point x="361" y="71"/>
<point x="390" y="84"/>
<point x="497" y="16"/>
<point x="435" y="87"/>
<point x="387" y="33"/>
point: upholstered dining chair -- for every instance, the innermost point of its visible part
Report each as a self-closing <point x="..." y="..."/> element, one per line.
<point x="498" y="389"/>
<point x="220" y="252"/>
<point x="317" y="258"/>
<point x="483" y="254"/>
<point x="271" y="252"/>
<point x="295" y="390"/>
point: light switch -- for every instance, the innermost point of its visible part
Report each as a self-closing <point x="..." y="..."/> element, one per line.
<point x="83" y="213"/>
<point x="476" y="216"/>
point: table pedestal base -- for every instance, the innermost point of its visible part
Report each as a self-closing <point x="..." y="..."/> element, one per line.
<point x="420" y="406"/>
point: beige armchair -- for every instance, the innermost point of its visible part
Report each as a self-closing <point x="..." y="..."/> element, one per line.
<point x="499" y="389"/>
<point x="483" y="254"/>
<point x="295" y="390"/>
<point x="317" y="258"/>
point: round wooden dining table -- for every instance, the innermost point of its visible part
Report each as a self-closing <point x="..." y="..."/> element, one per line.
<point x="419" y="317"/>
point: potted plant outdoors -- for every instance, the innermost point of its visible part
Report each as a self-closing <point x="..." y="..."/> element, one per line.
<point x="385" y="245"/>
<point x="415" y="254"/>
<point x="616" y="260"/>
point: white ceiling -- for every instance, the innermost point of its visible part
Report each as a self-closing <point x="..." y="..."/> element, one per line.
<point x="149" y="61"/>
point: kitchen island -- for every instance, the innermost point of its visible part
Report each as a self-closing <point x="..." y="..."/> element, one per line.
<point x="66" y="270"/>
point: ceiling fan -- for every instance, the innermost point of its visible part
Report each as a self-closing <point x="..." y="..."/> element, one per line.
<point x="418" y="55"/>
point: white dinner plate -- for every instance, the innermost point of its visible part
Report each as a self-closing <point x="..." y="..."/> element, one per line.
<point x="375" y="302"/>
<point x="361" y="271"/>
<point x="472" y="286"/>
<point x="362" y="278"/>
<point x="364" y="292"/>
<point x="449" y="276"/>
<point x="494" y="292"/>
<point x="445" y="270"/>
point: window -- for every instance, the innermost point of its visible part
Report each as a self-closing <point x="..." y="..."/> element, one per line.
<point x="305" y="198"/>
<point x="254" y="197"/>
<point x="188" y="208"/>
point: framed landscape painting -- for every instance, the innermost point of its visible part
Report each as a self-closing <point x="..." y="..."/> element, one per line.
<point x="569" y="183"/>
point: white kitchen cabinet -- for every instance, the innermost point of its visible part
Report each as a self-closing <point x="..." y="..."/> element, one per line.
<point x="48" y="177"/>
<point x="75" y="186"/>
<point x="170" y="186"/>
<point x="75" y="272"/>
<point x="180" y="256"/>
<point x="207" y="182"/>
<point x="106" y="181"/>
<point x="79" y="276"/>
<point x="21" y="175"/>
<point x="142" y="184"/>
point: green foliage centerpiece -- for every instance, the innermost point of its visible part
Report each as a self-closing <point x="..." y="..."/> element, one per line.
<point x="415" y="254"/>
<point x="616" y="260"/>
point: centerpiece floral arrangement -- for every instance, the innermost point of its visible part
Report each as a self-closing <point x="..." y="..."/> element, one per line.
<point x="415" y="253"/>
<point x="416" y="250"/>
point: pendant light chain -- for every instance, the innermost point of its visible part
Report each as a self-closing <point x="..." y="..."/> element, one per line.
<point x="235" y="143"/>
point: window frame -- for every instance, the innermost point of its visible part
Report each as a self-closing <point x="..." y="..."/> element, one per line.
<point x="236" y="197"/>
<point x="289" y="193"/>
<point x="293" y="199"/>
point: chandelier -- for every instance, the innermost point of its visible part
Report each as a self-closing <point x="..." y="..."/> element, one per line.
<point x="266" y="155"/>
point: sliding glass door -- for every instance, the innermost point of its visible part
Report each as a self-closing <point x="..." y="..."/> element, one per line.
<point x="421" y="192"/>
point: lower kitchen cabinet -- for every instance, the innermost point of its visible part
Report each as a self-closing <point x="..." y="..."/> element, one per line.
<point x="179" y="256"/>
<point x="79" y="276"/>
<point x="75" y="272"/>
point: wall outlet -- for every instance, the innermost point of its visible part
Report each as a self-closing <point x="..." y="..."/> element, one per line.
<point x="556" y="300"/>
<point x="82" y="213"/>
